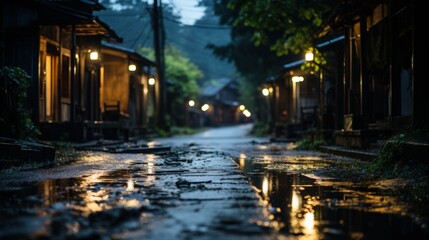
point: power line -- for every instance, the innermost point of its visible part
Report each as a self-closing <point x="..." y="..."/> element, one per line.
<point x="212" y="27"/>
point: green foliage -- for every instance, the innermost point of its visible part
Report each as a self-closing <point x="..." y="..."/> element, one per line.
<point x="392" y="161"/>
<point x="181" y="74"/>
<point x="255" y="64"/>
<point x="132" y="21"/>
<point x="260" y="129"/>
<point x="183" y="131"/>
<point x="295" y="24"/>
<point x="15" y="118"/>
<point x="310" y="144"/>
<point x="319" y="60"/>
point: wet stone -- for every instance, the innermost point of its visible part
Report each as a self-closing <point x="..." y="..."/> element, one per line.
<point x="172" y="195"/>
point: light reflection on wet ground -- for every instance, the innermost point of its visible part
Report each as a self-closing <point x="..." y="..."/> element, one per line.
<point x="101" y="195"/>
<point x="323" y="208"/>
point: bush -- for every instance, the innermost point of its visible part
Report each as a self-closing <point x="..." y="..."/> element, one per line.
<point x="392" y="160"/>
<point x="260" y="129"/>
<point x="15" y="118"/>
<point x="310" y="144"/>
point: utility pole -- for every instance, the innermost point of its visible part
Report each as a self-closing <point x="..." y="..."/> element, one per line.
<point x="158" y="31"/>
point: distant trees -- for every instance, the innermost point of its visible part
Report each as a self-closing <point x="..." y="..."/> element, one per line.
<point x="182" y="78"/>
<point x="131" y="19"/>
<point x="267" y="34"/>
<point x="292" y="25"/>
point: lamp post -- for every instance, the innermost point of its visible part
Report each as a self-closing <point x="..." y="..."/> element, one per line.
<point x="309" y="57"/>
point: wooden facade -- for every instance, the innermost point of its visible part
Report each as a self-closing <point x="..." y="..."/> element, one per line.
<point x="380" y="89"/>
<point x="59" y="44"/>
<point x="125" y="82"/>
<point x="298" y="95"/>
<point x="223" y="99"/>
<point x="370" y="89"/>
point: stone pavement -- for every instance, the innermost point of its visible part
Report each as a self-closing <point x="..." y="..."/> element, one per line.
<point x="212" y="200"/>
<point x="185" y="193"/>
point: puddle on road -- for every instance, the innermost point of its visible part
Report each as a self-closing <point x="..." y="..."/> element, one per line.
<point x="87" y="207"/>
<point x="308" y="208"/>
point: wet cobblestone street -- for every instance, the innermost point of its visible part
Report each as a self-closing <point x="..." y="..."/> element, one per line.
<point x="220" y="184"/>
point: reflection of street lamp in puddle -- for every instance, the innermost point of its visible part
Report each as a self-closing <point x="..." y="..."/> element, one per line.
<point x="150" y="168"/>
<point x="242" y="160"/>
<point x="296" y="201"/>
<point x="308" y="223"/>
<point x="302" y="223"/>
<point x="130" y="185"/>
<point x="265" y="187"/>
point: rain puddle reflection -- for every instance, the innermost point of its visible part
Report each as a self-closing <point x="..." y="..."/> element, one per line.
<point x="85" y="207"/>
<point x="309" y="208"/>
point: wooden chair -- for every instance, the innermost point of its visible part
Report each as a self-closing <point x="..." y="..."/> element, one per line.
<point x="112" y="112"/>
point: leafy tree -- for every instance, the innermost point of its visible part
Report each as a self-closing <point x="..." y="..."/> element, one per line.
<point x="15" y="117"/>
<point x="131" y="19"/>
<point x="194" y="39"/>
<point x="182" y="75"/>
<point x="295" y="23"/>
<point x="182" y="80"/>
<point x="255" y="63"/>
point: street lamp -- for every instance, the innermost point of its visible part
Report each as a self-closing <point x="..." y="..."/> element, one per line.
<point x="132" y="67"/>
<point x="93" y="55"/>
<point x="151" y="81"/>
<point x="309" y="56"/>
<point x="265" y="92"/>
<point x="191" y="103"/>
<point x="205" y="107"/>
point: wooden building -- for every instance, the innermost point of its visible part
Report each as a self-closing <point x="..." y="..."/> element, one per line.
<point x="381" y="93"/>
<point x="59" y="44"/>
<point x="305" y="100"/>
<point x="222" y="98"/>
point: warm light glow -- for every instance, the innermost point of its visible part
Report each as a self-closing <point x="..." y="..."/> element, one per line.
<point x="309" y="56"/>
<point x="265" y="92"/>
<point x="296" y="201"/>
<point x="132" y="67"/>
<point x="205" y="107"/>
<point x="242" y="160"/>
<point x="265" y="187"/>
<point x="247" y="113"/>
<point x="150" y="168"/>
<point x="191" y="103"/>
<point x="130" y="185"/>
<point x="308" y="223"/>
<point x="151" y="81"/>
<point x="297" y="79"/>
<point x="93" y="55"/>
<point x="242" y="107"/>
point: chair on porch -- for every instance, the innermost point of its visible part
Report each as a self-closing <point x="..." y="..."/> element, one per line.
<point x="111" y="117"/>
<point x="112" y="112"/>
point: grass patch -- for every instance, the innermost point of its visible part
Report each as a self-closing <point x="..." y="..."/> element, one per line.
<point x="394" y="161"/>
<point x="183" y="131"/>
<point x="309" y="144"/>
<point x="260" y="129"/>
